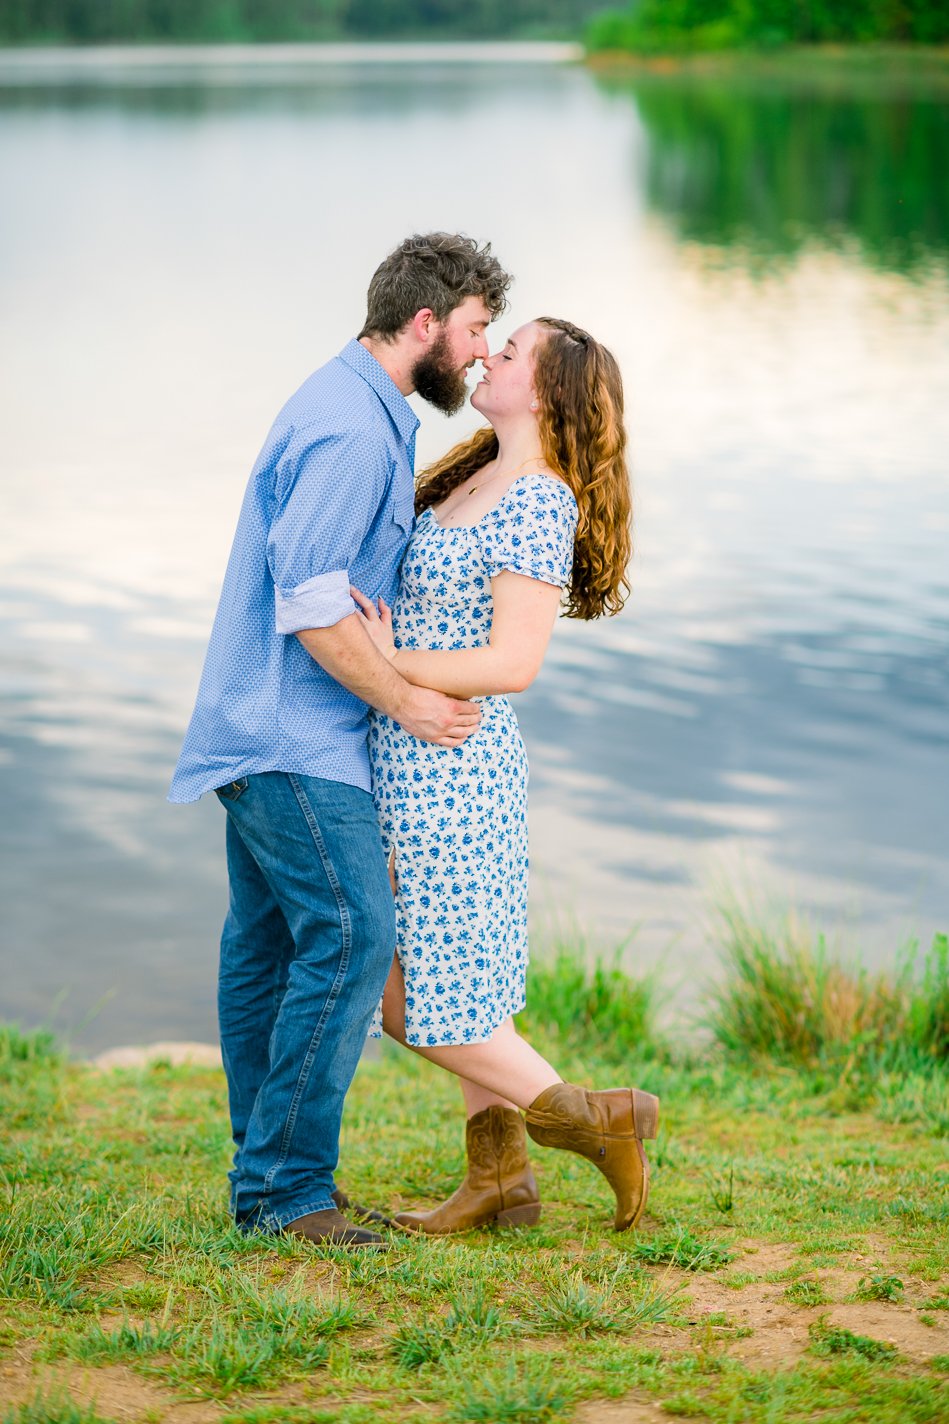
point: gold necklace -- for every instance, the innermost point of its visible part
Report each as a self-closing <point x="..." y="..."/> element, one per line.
<point x="491" y="478"/>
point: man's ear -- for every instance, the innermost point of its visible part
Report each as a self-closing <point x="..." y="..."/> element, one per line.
<point x="423" y="325"/>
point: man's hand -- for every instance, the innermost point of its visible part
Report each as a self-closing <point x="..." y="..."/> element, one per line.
<point x="432" y="717"/>
<point x="378" y="622"/>
<point x="347" y="652"/>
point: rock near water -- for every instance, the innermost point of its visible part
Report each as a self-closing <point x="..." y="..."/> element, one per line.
<point x="202" y="1055"/>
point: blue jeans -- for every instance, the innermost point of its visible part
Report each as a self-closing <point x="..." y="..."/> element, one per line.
<point x="306" y="949"/>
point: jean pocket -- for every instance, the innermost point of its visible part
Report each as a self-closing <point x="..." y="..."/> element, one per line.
<point x="231" y="790"/>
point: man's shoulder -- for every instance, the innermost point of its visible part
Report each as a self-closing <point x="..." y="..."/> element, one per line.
<point x="334" y="400"/>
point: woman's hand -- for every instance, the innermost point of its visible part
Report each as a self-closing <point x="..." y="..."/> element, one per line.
<point x="377" y="622"/>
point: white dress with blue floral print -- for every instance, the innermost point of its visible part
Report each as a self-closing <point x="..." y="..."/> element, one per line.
<point x="457" y="817"/>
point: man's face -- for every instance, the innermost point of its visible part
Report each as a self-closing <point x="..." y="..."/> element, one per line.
<point x="439" y="375"/>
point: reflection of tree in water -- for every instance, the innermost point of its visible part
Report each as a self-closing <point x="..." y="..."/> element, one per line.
<point x="772" y="171"/>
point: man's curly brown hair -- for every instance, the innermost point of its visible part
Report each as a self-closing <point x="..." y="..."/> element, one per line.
<point x="437" y="270"/>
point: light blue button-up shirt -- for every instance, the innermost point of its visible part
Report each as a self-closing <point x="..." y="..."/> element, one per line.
<point x="330" y="502"/>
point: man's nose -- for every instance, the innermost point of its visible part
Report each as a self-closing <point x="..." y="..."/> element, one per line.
<point x="480" y="349"/>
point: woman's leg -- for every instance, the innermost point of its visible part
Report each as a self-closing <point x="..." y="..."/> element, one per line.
<point x="499" y="1185"/>
<point x="504" y="1070"/>
<point x="605" y="1127"/>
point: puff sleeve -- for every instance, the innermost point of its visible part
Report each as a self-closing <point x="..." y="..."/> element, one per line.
<point x="531" y="531"/>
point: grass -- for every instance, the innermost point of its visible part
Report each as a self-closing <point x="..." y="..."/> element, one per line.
<point x="776" y="1193"/>
<point x="880" y="1288"/>
<point x="678" y="1246"/>
<point x="52" y="1408"/>
<point x="584" y="999"/>
<point x="836" y="1340"/>
<point x="787" y="999"/>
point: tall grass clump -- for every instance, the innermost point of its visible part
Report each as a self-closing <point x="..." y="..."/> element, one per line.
<point x="31" y="1073"/>
<point x="586" y="1000"/>
<point x="17" y="1046"/>
<point x="52" y="1408"/>
<point x="928" y="1015"/>
<point x="787" y="998"/>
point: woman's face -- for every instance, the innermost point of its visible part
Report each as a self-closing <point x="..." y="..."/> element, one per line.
<point x="507" y="387"/>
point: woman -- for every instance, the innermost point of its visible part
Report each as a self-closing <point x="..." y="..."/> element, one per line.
<point x="536" y="503"/>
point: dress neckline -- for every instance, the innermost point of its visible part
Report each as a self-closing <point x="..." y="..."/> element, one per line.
<point x="536" y="475"/>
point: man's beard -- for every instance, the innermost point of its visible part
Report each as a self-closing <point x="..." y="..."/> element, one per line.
<point x="437" y="380"/>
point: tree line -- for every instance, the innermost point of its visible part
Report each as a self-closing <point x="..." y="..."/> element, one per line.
<point x="663" y="26"/>
<point x="102" y="21"/>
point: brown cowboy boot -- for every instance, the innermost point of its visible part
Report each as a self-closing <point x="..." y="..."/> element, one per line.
<point x="499" y="1185"/>
<point x="607" y="1128"/>
<point x="331" y="1228"/>
<point x="359" y="1213"/>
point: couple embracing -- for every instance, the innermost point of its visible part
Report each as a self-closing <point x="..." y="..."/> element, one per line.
<point x="353" y="722"/>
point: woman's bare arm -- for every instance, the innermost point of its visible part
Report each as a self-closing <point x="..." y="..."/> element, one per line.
<point x="525" y="610"/>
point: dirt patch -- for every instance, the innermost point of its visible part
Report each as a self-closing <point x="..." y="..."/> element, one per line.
<point x="780" y="1327"/>
<point x="112" y="1390"/>
<point x="764" y="1257"/>
<point x="630" y="1410"/>
<point x="118" y="1393"/>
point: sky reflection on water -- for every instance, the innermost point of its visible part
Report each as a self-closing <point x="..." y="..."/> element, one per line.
<point x="771" y="707"/>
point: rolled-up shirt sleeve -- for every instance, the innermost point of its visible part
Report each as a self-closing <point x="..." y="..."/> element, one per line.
<point x="328" y="492"/>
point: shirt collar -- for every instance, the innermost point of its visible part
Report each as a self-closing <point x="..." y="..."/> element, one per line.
<point x="364" y="364"/>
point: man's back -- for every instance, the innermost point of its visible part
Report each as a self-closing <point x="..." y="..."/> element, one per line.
<point x="329" y="502"/>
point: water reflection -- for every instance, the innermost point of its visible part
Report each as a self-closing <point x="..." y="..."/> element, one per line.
<point x="773" y="169"/>
<point x="203" y="80"/>
<point x="178" y="253"/>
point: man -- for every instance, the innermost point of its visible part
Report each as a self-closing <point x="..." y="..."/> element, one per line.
<point x="279" y="729"/>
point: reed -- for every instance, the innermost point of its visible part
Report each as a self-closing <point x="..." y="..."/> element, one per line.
<point x="583" y="998"/>
<point x="786" y="997"/>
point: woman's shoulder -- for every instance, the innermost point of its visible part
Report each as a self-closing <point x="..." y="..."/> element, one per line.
<point x="531" y="530"/>
<point x="538" y="492"/>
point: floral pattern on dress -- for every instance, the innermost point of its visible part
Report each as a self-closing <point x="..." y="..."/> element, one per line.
<point x="457" y="816"/>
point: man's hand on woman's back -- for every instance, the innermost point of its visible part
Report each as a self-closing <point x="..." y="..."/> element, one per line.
<point x="433" y="717"/>
<point x="347" y="653"/>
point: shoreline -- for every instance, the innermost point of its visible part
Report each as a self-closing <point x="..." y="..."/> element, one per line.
<point x="871" y="60"/>
<point x="306" y="52"/>
<point x="319" y="52"/>
<point x="880" y="70"/>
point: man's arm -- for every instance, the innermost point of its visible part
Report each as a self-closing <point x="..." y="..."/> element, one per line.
<point x="320" y="524"/>
<point x="348" y="654"/>
<point x="525" y="610"/>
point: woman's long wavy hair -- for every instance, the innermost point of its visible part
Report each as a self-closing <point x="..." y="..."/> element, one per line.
<point x="583" y="438"/>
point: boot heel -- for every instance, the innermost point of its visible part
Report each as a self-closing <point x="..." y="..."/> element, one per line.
<point x="645" y="1114"/>
<point x="528" y="1215"/>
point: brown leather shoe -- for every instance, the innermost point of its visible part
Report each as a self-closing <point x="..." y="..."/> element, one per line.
<point x="499" y="1185"/>
<point x="361" y="1213"/>
<point x="607" y="1128"/>
<point x="330" y="1228"/>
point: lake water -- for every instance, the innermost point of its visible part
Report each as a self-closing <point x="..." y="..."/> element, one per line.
<point x="186" y="236"/>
